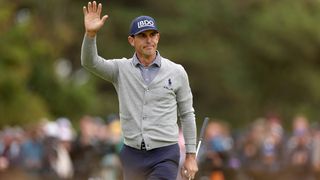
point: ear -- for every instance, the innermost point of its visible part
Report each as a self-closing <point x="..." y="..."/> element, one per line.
<point x="131" y="40"/>
<point x="158" y="36"/>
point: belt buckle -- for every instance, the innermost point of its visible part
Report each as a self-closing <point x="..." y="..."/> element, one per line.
<point x="143" y="146"/>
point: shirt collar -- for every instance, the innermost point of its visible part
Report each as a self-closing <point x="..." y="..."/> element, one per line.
<point x="156" y="62"/>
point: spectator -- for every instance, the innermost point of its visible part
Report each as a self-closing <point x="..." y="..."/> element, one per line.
<point x="32" y="151"/>
<point x="316" y="152"/>
<point x="216" y="151"/>
<point x="57" y="161"/>
<point x="85" y="152"/>
<point x="298" y="161"/>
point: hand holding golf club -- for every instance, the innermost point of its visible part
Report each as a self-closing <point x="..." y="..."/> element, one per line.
<point x="190" y="166"/>
<point x="190" y="174"/>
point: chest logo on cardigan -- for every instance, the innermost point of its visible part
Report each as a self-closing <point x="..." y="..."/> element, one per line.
<point x="168" y="85"/>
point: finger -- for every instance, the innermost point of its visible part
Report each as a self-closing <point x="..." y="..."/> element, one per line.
<point x="85" y="12"/>
<point x="104" y="18"/>
<point x="99" y="8"/>
<point x="181" y="172"/>
<point x="89" y="7"/>
<point x="192" y="175"/>
<point x="94" y="6"/>
<point x="188" y="174"/>
<point x="185" y="173"/>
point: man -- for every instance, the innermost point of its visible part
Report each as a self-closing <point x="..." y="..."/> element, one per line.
<point x="152" y="92"/>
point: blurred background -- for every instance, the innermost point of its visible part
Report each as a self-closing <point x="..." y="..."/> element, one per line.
<point x="245" y="59"/>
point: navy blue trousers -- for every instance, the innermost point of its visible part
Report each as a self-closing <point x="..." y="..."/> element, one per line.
<point x="156" y="164"/>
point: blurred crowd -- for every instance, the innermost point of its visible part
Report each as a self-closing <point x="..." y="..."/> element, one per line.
<point x="55" y="150"/>
<point x="264" y="150"/>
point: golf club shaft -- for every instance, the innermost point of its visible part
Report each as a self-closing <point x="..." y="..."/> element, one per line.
<point x="203" y="128"/>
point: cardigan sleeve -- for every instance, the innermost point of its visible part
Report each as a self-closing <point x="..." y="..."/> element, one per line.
<point x="186" y="112"/>
<point x="106" y="69"/>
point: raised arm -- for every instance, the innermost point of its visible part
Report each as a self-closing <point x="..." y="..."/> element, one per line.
<point x="106" y="69"/>
<point x="92" y="20"/>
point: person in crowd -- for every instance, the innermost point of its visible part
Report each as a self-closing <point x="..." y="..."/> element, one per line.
<point x="57" y="163"/>
<point x="32" y="151"/>
<point x="316" y="151"/>
<point x="216" y="151"/>
<point x="298" y="150"/>
<point x="85" y="151"/>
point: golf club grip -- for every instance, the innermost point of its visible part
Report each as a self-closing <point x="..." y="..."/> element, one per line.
<point x="203" y="128"/>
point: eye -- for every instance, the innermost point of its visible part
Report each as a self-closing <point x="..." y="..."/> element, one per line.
<point x="143" y="35"/>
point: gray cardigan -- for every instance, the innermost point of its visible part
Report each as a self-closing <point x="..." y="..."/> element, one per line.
<point x="150" y="111"/>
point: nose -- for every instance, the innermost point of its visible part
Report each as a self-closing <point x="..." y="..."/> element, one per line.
<point x="148" y="39"/>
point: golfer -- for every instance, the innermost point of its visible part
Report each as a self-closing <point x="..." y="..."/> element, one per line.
<point x="153" y="92"/>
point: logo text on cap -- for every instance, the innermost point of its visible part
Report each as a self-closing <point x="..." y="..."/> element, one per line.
<point x="145" y="23"/>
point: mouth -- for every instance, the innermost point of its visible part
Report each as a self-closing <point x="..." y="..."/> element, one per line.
<point x="148" y="47"/>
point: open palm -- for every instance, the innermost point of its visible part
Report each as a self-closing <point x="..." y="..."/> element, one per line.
<point x="92" y="20"/>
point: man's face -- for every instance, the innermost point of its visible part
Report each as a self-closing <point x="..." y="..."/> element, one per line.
<point x="145" y="43"/>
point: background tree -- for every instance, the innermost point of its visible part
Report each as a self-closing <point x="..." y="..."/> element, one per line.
<point x="244" y="58"/>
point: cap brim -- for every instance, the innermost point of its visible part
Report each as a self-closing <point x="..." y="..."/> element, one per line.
<point x="146" y="29"/>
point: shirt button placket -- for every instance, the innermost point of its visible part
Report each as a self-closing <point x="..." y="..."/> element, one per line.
<point x="144" y="116"/>
<point x="145" y="101"/>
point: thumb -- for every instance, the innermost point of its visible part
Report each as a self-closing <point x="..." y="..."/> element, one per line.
<point x="104" y="18"/>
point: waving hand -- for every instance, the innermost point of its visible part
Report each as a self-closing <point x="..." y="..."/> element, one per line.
<point x="92" y="20"/>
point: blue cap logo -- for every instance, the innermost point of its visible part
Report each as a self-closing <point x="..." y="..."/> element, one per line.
<point x="142" y="23"/>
